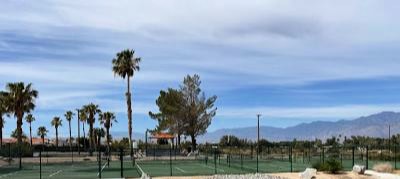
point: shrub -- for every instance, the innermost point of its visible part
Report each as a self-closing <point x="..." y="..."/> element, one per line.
<point x="331" y="165"/>
<point x="383" y="167"/>
<point x="334" y="166"/>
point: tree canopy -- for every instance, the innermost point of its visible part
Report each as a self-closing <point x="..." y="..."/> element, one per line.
<point x="185" y="111"/>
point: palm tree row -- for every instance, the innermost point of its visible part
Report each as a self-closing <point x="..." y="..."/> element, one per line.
<point x="19" y="99"/>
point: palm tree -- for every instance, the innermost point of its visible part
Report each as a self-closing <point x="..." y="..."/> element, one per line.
<point x="68" y="116"/>
<point x="107" y="119"/>
<point x="20" y="99"/>
<point x="56" y="122"/>
<point x="91" y="111"/>
<point x="29" y="119"/>
<point x="125" y="65"/>
<point x="83" y="119"/>
<point x="98" y="134"/>
<point x="42" y="132"/>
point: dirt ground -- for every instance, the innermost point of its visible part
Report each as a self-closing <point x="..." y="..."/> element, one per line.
<point x="320" y="175"/>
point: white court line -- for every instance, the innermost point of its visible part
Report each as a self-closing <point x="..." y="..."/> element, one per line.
<point x="55" y="173"/>
<point x="181" y="170"/>
<point x="8" y="174"/>
<point x="102" y="168"/>
<point x="222" y="170"/>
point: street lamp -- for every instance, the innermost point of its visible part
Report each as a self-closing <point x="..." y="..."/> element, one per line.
<point x="258" y="137"/>
<point x="79" y="132"/>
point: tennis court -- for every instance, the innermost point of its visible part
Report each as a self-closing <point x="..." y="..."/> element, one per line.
<point x="210" y="167"/>
<point x="68" y="170"/>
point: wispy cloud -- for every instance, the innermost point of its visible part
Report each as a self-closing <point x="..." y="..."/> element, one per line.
<point x="65" y="48"/>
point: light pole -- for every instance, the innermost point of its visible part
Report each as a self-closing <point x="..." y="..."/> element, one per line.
<point x="145" y="139"/>
<point x="258" y="137"/>
<point x="79" y="132"/>
<point x="389" y="142"/>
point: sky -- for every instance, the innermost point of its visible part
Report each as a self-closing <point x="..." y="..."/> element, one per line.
<point x="291" y="61"/>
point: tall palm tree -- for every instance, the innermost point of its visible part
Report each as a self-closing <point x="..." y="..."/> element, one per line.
<point x="91" y="111"/>
<point x="125" y="64"/>
<point x="29" y="119"/>
<point x="42" y="132"/>
<point x="20" y="99"/>
<point x="68" y="116"/>
<point x="107" y="119"/>
<point x="83" y="119"/>
<point x="56" y="122"/>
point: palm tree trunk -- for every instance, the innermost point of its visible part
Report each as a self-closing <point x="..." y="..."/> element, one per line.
<point x="91" y="139"/>
<point x="19" y="136"/>
<point x="30" y="132"/>
<point x="57" y="138"/>
<point x="84" y="136"/>
<point x="70" y="142"/>
<point x="129" y="104"/>
<point x="108" y="139"/>
<point x="79" y="135"/>
<point x="42" y="143"/>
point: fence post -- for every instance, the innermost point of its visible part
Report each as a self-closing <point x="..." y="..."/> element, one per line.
<point x="215" y="161"/>
<point x="352" y="150"/>
<point x="241" y="161"/>
<point x="395" y="157"/>
<point x="9" y="151"/>
<point x="121" y="160"/>
<point x="366" y="157"/>
<point x="309" y="153"/>
<point x="99" y="161"/>
<point x="170" y="160"/>
<point x="40" y="163"/>
<point x="291" y="158"/>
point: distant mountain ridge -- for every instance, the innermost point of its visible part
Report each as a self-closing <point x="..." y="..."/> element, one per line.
<point x="375" y="125"/>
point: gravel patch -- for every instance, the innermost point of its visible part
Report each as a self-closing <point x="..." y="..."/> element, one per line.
<point x="246" y="176"/>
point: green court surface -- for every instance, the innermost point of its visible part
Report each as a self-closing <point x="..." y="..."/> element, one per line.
<point x="153" y="168"/>
<point x="196" y="167"/>
<point x="67" y="170"/>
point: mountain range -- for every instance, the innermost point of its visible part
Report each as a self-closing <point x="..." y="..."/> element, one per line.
<point x="376" y="125"/>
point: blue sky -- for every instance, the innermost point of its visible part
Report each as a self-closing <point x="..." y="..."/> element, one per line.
<point x="292" y="61"/>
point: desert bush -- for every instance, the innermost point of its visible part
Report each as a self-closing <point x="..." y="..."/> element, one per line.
<point x="383" y="167"/>
<point x="331" y="165"/>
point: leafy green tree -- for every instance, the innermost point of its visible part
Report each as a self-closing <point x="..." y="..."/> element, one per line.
<point x="20" y="99"/>
<point x="107" y="119"/>
<point x="56" y="122"/>
<point x="42" y="132"/>
<point x="68" y="116"/>
<point x="170" y="104"/>
<point x="91" y="110"/>
<point x="199" y="110"/>
<point x="29" y="119"/>
<point x="125" y="64"/>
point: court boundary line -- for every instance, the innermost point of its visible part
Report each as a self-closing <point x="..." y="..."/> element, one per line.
<point x="55" y="173"/>
<point x="181" y="170"/>
<point x="102" y="168"/>
<point x="8" y="174"/>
